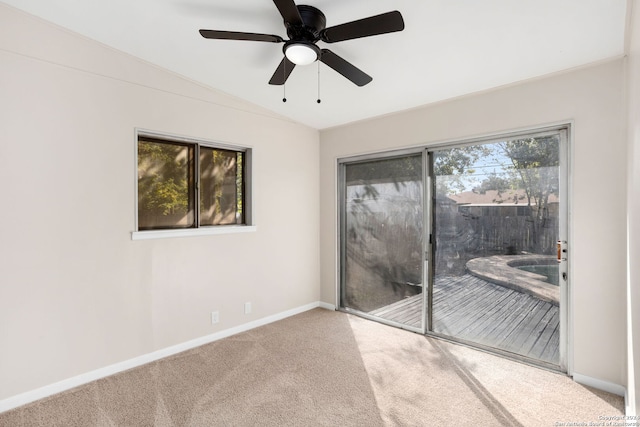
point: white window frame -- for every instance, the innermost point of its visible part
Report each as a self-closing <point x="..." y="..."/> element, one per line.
<point x="249" y="223"/>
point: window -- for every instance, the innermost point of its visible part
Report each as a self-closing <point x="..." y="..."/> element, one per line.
<point x="184" y="184"/>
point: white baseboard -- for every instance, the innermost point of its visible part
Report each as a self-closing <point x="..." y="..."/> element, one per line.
<point x="64" y="385"/>
<point x="327" y="306"/>
<point x="600" y="384"/>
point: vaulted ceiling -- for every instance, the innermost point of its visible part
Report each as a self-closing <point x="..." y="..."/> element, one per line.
<point x="448" y="48"/>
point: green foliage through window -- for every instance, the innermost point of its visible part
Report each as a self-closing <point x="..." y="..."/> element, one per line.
<point x="171" y="183"/>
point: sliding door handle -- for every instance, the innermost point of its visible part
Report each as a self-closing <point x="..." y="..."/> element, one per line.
<point x="561" y="248"/>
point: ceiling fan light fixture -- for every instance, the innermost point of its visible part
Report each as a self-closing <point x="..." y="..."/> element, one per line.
<point x="301" y="53"/>
<point x="306" y="26"/>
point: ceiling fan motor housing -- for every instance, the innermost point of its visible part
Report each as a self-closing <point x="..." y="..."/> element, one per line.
<point x="313" y="23"/>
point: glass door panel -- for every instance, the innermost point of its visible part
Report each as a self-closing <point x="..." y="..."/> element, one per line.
<point x="382" y="239"/>
<point x="496" y="221"/>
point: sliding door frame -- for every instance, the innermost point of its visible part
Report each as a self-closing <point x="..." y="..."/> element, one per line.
<point x="342" y="164"/>
<point x="564" y="130"/>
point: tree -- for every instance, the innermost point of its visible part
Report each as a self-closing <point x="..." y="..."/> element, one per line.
<point x="220" y="186"/>
<point x="452" y="166"/>
<point x="495" y="182"/>
<point x="535" y="162"/>
<point x="163" y="183"/>
<point x="529" y="172"/>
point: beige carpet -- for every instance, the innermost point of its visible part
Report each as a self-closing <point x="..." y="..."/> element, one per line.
<point x="324" y="368"/>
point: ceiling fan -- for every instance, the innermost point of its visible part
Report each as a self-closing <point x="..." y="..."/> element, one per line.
<point x="305" y="27"/>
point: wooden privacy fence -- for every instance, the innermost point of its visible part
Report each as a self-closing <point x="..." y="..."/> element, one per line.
<point x="503" y="229"/>
<point x="394" y="240"/>
<point x="467" y="232"/>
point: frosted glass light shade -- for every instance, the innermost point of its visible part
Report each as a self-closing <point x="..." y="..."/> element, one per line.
<point x="301" y="54"/>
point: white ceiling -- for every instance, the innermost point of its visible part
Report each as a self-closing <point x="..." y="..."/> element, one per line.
<point x="449" y="48"/>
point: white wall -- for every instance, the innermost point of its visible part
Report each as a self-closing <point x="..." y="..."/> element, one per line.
<point x="76" y="293"/>
<point x="594" y="99"/>
<point x="633" y="194"/>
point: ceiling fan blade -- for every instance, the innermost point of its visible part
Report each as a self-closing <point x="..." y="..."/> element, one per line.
<point x="380" y="24"/>
<point x="289" y="11"/>
<point x="282" y="72"/>
<point x="236" y="35"/>
<point x="345" y="68"/>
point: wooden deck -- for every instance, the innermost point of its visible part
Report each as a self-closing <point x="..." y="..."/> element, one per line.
<point x="476" y="310"/>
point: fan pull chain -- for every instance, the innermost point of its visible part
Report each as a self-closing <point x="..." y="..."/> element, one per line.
<point x="284" y="82"/>
<point x="319" y="101"/>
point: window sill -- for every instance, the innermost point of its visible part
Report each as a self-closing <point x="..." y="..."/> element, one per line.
<point x="191" y="232"/>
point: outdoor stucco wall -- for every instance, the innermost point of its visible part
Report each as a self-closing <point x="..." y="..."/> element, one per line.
<point x="593" y="99"/>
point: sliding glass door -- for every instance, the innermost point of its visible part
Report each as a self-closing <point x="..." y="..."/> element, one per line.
<point x="483" y="262"/>
<point x="496" y="222"/>
<point x="382" y="238"/>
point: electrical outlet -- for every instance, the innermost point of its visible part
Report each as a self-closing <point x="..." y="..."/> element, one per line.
<point x="247" y="308"/>
<point x="215" y="317"/>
